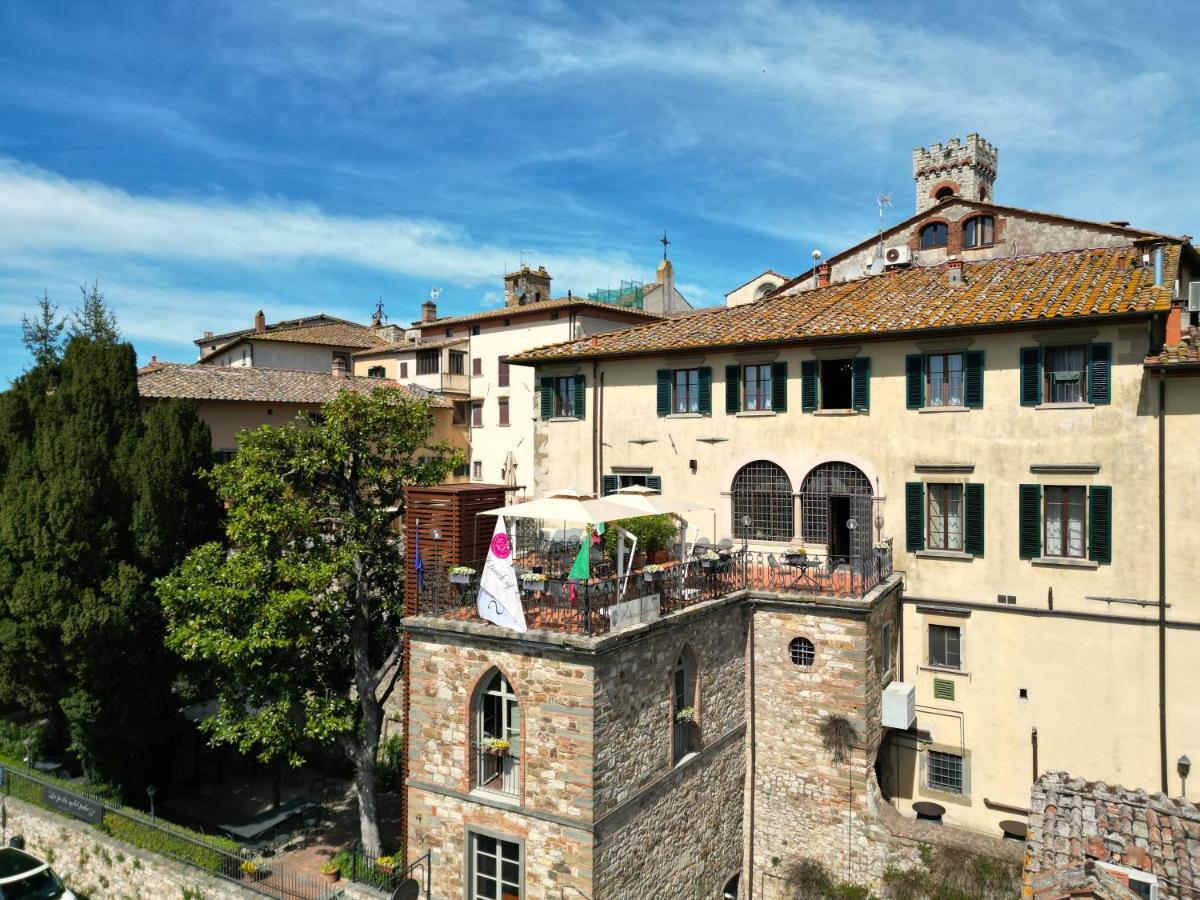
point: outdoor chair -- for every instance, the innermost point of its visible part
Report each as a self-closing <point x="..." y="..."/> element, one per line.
<point x="725" y="543"/>
<point x="702" y="546"/>
<point x="773" y="573"/>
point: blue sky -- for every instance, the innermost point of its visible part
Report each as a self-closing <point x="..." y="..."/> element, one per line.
<point x="203" y="160"/>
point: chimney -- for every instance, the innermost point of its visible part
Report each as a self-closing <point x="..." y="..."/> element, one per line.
<point x="260" y="321"/>
<point x="428" y="311"/>
<point x="339" y="367"/>
<point x="823" y="275"/>
<point x="208" y="334"/>
<point x="954" y="272"/>
<point x="1175" y="323"/>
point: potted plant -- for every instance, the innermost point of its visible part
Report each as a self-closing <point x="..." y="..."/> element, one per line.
<point x="495" y="746"/>
<point x="794" y="556"/>
<point x="461" y="574"/>
<point x="652" y="572"/>
<point x="533" y="582"/>
<point x="332" y="870"/>
<point x="686" y="714"/>
<point x="710" y="559"/>
<point x="386" y="864"/>
<point x="252" y="870"/>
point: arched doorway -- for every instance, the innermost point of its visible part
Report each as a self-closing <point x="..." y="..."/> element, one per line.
<point x="835" y="510"/>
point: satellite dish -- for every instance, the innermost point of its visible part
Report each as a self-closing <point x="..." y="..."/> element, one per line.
<point x="409" y="890"/>
<point x="877" y="265"/>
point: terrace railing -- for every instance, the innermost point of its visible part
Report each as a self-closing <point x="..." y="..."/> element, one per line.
<point x="553" y="601"/>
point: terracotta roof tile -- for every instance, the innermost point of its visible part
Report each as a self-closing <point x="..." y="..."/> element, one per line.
<point x="255" y="384"/>
<point x="335" y="334"/>
<point x="402" y="346"/>
<point x="1185" y="353"/>
<point x="560" y="303"/>
<point x="1062" y="285"/>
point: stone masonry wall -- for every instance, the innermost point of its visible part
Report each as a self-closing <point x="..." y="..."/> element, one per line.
<point x="667" y="830"/>
<point x="556" y="701"/>
<point x="805" y="805"/>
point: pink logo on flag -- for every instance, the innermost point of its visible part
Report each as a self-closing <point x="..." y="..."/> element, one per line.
<point x="500" y="545"/>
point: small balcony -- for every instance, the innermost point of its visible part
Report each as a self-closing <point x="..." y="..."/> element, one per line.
<point x="608" y="600"/>
<point x="455" y="384"/>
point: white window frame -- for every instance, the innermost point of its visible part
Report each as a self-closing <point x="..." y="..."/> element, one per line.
<point x="929" y="648"/>
<point x="470" y="857"/>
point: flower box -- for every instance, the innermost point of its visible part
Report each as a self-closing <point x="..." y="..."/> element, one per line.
<point x="332" y="872"/>
<point x="652" y="575"/>
<point x="386" y="865"/>
<point x="460" y="579"/>
<point x="533" y="585"/>
<point x="495" y="747"/>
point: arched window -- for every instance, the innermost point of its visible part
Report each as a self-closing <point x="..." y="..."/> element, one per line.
<point x="762" y="492"/>
<point x="497" y="735"/>
<point x="978" y="231"/>
<point x="933" y="236"/>
<point x="763" y="289"/>
<point x="686" y="732"/>
<point x="943" y="194"/>
<point x="802" y="652"/>
<point x="831" y="496"/>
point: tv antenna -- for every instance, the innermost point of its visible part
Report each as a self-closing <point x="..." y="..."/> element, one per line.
<point x="435" y="293"/>
<point x="884" y="201"/>
<point x="523" y="255"/>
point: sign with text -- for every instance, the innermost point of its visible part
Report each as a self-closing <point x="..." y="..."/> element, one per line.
<point x="634" y="612"/>
<point x="72" y="804"/>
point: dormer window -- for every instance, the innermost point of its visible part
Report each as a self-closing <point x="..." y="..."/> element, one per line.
<point x="978" y="231"/>
<point x="933" y="236"/>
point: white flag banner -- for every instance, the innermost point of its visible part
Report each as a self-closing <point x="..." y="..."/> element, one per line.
<point x="499" y="597"/>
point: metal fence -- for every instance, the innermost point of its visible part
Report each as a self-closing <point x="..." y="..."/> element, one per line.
<point x="415" y="878"/>
<point x="219" y="857"/>
<point x="550" y="600"/>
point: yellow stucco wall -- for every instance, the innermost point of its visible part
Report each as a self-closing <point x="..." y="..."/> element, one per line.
<point x="1091" y="682"/>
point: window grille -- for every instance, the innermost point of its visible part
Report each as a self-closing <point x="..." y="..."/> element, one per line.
<point x="944" y="772"/>
<point x="763" y="492"/>
<point x="802" y="652"/>
<point x="835" y="479"/>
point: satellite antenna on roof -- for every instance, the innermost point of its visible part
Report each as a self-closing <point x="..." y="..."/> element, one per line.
<point x="877" y="264"/>
<point x="435" y="293"/>
<point x="523" y="254"/>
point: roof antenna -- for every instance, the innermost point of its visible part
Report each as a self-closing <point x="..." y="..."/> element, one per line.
<point x="523" y="254"/>
<point x="885" y="202"/>
<point x="435" y="293"/>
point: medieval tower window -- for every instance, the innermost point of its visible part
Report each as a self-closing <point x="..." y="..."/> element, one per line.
<point x="802" y="652"/>
<point x="943" y="194"/>
<point x="685" y="728"/>
<point x="497" y="729"/>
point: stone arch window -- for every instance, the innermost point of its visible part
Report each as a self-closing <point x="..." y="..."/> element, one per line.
<point x="934" y="234"/>
<point x="944" y="193"/>
<point x="978" y="231"/>
<point x="802" y="652"/>
<point x="831" y="496"/>
<point x="497" y="730"/>
<point x="684" y="707"/>
<point x="762" y="493"/>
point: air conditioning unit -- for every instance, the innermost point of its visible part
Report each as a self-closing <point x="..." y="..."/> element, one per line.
<point x="897" y="256"/>
<point x="1194" y="297"/>
<point x="899" y="705"/>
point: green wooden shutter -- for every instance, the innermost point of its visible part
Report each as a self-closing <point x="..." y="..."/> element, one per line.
<point x="1100" y="524"/>
<point x="1100" y="373"/>
<point x="547" y="398"/>
<point x="973" y="381"/>
<point x="705" y="398"/>
<point x="914" y="380"/>
<point x="664" y="392"/>
<point x="1030" y="516"/>
<point x="733" y="389"/>
<point x="943" y="689"/>
<point x="654" y="482"/>
<point x="609" y="485"/>
<point x="779" y="386"/>
<point x="808" y="385"/>
<point x="1031" y="376"/>
<point x="973" y="534"/>
<point x="914" y="516"/>
<point x="580" y="397"/>
<point x="862" y="382"/>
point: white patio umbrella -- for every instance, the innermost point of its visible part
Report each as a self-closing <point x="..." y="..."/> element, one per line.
<point x="564" y="507"/>
<point x="645" y="502"/>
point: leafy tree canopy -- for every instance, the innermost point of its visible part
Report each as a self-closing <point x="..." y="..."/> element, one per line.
<point x="300" y="621"/>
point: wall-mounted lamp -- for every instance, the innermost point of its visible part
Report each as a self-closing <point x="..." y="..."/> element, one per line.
<point x="693" y="465"/>
<point x="1183" y="766"/>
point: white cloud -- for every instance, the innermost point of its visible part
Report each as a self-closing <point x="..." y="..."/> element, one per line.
<point x="41" y="213"/>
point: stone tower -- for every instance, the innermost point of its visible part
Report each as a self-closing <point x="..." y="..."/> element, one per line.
<point x="957" y="169"/>
<point x="526" y="285"/>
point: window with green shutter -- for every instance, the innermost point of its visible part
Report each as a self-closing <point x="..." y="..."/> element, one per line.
<point x="779" y="386"/>
<point x="1031" y="376"/>
<point x="547" y="398"/>
<point x="809" y="370"/>
<point x="1100" y="523"/>
<point x="609" y="485"/>
<point x="705" y="392"/>
<point x="914" y="380"/>
<point x="914" y="516"/>
<point x="862" y="382"/>
<point x="973" y="382"/>
<point x="664" y="392"/>
<point x="580" y="397"/>
<point x="654" y="482"/>
<point x="1100" y="373"/>
<point x="1029" y="514"/>
<point x="973" y="538"/>
<point x="733" y="389"/>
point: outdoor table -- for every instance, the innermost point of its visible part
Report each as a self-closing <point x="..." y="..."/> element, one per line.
<point x="253" y="827"/>
<point x="929" y="812"/>
<point x="800" y="566"/>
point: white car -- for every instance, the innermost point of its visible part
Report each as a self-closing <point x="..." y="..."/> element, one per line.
<point x="25" y="877"/>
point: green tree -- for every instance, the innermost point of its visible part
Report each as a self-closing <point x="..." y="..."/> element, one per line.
<point x="301" y="621"/>
<point x="97" y="499"/>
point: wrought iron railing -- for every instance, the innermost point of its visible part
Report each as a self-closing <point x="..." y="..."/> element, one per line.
<point x="595" y="605"/>
<point x="366" y="869"/>
<point x="497" y="772"/>
<point x="685" y="740"/>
